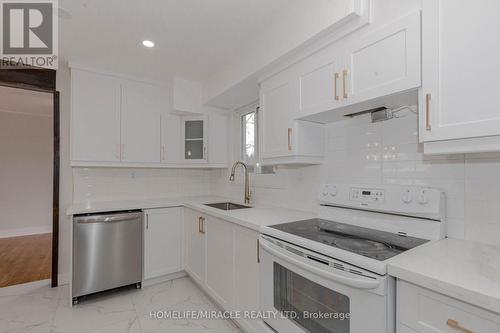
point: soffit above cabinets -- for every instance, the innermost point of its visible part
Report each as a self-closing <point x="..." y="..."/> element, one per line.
<point x="238" y="84"/>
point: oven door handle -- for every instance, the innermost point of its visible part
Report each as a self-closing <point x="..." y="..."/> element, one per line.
<point x="352" y="282"/>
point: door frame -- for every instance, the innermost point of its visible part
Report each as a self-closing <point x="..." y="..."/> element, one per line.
<point x="44" y="80"/>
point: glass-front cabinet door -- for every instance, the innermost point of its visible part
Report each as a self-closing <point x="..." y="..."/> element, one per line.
<point x="194" y="134"/>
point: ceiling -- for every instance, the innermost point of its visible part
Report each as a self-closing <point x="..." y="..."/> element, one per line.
<point x="194" y="38"/>
<point x="25" y="101"/>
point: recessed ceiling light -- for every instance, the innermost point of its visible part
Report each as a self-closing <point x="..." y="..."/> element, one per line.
<point x="148" y="43"/>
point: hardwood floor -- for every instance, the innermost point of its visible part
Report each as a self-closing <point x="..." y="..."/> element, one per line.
<point x="25" y="259"/>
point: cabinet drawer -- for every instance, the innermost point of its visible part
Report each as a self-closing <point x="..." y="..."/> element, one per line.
<point x="427" y="311"/>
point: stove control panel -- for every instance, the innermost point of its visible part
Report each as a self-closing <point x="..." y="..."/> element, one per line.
<point x="418" y="201"/>
<point x="367" y="195"/>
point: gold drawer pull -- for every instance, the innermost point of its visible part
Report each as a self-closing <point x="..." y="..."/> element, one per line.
<point x="258" y="251"/>
<point x="455" y="325"/>
<point x="289" y="139"/>
<point x="344" y="76"/>
<point x="428" y="112"/>
<point x="335" y="86"/>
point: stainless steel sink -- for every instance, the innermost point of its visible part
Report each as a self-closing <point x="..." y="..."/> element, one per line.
<point x="227" y="206"/>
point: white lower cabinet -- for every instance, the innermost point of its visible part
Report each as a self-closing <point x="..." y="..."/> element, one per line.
<point x="194" y="245"/>
<point x="219" y="238"/>
<point x="422" y="310"/>
<point x="222" y="258"/>
<point x="163" y="230"/>
<point x="246" y="274"/>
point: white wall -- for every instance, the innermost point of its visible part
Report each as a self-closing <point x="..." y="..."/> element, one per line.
<point x="25" y="170"/>
<point x="388" y="153"/>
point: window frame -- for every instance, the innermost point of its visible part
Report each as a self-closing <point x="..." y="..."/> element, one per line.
<point x="254" y="108"/>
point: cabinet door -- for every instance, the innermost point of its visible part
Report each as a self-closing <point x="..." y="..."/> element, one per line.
<point x="278" y="109"/>
<point x="95" y="117"/>
<point x="384" y="62"/>
<point x="218" y="138"/>
<point x="194" y="139"/>
<point x="140" y="121"/>
<point x="195" y="245"/>
<point x="162" y="242"/>
<point x="247" y="286"/>
<point x="460" y="70"/>
<point x="319" y="79"/>
<point x="220" y="260"/>
<point x="170" y="139"/>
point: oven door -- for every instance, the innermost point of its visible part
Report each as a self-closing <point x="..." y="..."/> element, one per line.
<point x="302" y="291"/>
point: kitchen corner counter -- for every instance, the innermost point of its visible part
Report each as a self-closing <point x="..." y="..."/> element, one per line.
<point x="465" y="270"/>
<point x="252" y="218"/>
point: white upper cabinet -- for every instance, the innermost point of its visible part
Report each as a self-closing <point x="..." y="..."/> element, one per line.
<point x="218" y="139"/>
<point x="459" y="99"/>
<point x="140" y="123"/>
<point x="277" y="112"/>
<point x="118" y="121"/>
<point x="282" y="138"/>
<point x="95" y="117"/>
<point x="384" y="62"/>
<point x="319" y="80"/>
<point x="360" y="72"/>
<point x="170" y="139"/>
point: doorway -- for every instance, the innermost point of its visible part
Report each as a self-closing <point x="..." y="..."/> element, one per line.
<point x="26" y="150"/>
<point x="29" y="175"/>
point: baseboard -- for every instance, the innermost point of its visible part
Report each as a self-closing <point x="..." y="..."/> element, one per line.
<point x="163" y="278"/>
<point x="25" y="232"/>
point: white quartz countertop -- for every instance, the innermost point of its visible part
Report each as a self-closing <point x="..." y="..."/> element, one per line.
<point x="466" y="270"/>
<point x="252" y="218"/>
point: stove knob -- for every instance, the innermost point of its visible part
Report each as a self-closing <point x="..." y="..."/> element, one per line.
<point x="333" y="191"/>
<point x="422" y="198"/>
<point x="407" y="198"/>
<point x="324" y="191"/>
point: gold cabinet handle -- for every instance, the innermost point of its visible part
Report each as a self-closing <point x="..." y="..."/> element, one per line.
<point x="202" y="225"/>
<point x="428" y="112"/>
<point x="258" y="251"/>
<point x="163" y="153"/>
<point x="289" y="139"/>
<point x="344" y="77"/>
<point x="118" y="151"/>
<point x="455" y="325"/>
<point x="335" y="86"/>
<point x="199" y="225"/>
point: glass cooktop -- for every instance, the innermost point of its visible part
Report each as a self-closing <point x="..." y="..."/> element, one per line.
<point x="371" y="243"/>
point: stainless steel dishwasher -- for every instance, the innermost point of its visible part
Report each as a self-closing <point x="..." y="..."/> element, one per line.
<point x="107" y="252"/>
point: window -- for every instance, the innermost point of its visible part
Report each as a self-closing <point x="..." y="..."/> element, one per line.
<point x="249" y="126"/>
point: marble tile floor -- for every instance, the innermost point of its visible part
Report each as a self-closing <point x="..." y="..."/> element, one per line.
<point x="45" y="310"/>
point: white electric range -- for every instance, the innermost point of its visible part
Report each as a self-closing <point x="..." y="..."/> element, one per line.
<point x="330" y="274"/>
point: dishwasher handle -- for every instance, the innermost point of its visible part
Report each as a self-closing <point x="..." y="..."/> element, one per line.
<point x="108" y="218"/>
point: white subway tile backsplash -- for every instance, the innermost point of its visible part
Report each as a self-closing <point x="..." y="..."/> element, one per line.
<point x="360" y="152"/>
<point x="108" y="184"/>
